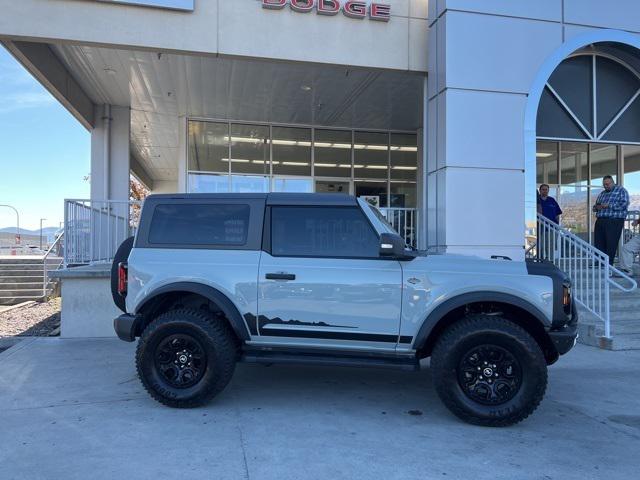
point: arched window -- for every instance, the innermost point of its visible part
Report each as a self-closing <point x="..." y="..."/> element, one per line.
<point x="591" y="97"/>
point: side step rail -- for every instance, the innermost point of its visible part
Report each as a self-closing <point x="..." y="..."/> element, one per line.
<point x="341" y="359"/>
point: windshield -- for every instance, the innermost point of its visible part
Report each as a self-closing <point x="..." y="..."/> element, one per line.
<point x="379" y="215"/>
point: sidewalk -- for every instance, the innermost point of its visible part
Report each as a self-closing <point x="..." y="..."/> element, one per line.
<point x="74" y="409"/>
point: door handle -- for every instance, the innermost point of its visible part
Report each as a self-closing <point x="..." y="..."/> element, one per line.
<point x="280" y="276"/>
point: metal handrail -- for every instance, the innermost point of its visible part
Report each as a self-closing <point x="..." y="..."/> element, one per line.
<point x="404" y="221"/>
<point x="94" y="229"/>
<point x="589" y="269"/>
<point x="45" y="270"/>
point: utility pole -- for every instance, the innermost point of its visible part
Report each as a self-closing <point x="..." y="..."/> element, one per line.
<point x="41" y="220"/>
<point x="18" y="219"/>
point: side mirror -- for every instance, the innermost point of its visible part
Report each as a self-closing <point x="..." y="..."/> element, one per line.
<point x="393" y="247"/>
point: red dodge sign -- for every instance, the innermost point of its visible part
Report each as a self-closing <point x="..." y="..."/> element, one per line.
<point x="353" y="9"/>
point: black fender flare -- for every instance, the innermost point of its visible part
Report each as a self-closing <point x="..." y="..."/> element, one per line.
<point x="220" y="299"/>
<point x="458" y="301"/>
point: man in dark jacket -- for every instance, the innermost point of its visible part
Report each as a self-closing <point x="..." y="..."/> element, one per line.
<point x="548" y="208"/>
<point x="548" y="205"/>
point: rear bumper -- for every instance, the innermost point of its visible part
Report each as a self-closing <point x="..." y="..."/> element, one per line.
<point x="125" y="327"/>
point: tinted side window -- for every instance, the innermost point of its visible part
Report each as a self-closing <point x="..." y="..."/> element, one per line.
<point x="191" y="224"/>
<point x="322" y="232"/>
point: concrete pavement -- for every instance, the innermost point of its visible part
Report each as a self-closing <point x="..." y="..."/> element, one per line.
<point x="74" y="409"/>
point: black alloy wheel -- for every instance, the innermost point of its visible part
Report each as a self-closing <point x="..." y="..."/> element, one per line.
<point x="490" y="375"/>
<point x="181" y="360"/>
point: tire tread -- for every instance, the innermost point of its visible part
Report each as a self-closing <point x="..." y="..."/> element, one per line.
<point x="217" y="332"/>
<point x="456" y="333"/>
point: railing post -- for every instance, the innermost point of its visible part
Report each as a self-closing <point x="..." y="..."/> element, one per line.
<point x="44" y="277"/>
<point x="66" y="225"/>
<point x="607" y="310"/>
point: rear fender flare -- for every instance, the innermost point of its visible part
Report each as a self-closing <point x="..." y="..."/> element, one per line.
<point x="215" y="296"/>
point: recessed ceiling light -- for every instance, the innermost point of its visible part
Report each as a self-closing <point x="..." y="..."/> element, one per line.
<point x="109" y="71"/>
<point x="306" y="88"/>
<point x="543" y="155"/>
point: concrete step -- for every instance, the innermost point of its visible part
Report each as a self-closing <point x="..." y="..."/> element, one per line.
<point x="625" y="330"/>
<point x="27" y="259"/>
<point x="591" y="290"/>
<point x="11" y="267"/>
<point x="20" y="279"/>
<point x="16" y="300"/>
<point x="21" y="292"/>
<point x="621" y="320"/>
<point x="21" y="273"/>
<point x="4" y="287"/>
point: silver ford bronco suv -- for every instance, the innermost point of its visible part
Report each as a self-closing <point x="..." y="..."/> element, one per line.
<point x="211" y="280"/>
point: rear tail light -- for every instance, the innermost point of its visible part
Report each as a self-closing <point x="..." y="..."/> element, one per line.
<point x="566" y="296"/>
<point x="123" y="280"/>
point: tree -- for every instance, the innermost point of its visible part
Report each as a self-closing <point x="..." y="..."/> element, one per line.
<point x="137" y="193"/>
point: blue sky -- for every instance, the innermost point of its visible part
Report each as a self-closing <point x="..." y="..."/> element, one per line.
<point x="44" y="151"/>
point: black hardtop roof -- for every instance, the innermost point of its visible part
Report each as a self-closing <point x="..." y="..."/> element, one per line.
<point x="333" y="199"/>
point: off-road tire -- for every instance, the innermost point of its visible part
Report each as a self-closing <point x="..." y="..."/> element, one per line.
<point x="217" y="341"/>
<point x="466" y="335"/>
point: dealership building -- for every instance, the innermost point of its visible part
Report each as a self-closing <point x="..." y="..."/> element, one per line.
<point x="447" y="114"/>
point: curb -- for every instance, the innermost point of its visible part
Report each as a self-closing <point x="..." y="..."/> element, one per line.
<point x="19" y="305"/>
<point x="14" y="345"/>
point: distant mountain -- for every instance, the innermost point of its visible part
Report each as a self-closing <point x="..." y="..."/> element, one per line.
<point x="24" y="231"/>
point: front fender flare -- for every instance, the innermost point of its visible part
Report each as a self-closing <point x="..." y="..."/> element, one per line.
<point x="220" y="299"/>
<point x="451" y="304"/>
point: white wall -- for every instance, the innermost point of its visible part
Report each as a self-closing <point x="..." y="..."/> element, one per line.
<point x="165" y="186"/>
<point x="485" y="59"/>
<point x="116" y="161"/>
<point x="87" y="308"/>
<point x="231" y="27"/>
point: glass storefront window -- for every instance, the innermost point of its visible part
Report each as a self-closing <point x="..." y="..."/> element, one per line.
<point x="574" y="203"/>
<point x="208" y="183"/>
<point x="376" y="192"/>
<point x="249" y="184"/>
<point x="403" y="194"/>
<point x="254" y="158"/>
<point x="404" y="157"/>
<point x="208" y="147"/>
<point x="293" y="185"/>
<point x="332" y="153"/>
<point x="333" y="186"/>
<point x="547" y="162"/>
<point x="604" y="161"/>
<point x="371" y="155"/>
<point x="593" y="196"/>
<point x="291" y="149"/>
<point x="632" y="174"/>
<point x="250" y="149"/>
<point x="574" y="167"/>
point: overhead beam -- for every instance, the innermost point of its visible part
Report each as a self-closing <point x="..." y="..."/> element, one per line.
<point x="140" y="173"/>
<point x="44" y="65"/>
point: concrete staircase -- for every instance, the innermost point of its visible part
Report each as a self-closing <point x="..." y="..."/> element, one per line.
<point x="625" y="323"/>
<point x="22" y="278"/>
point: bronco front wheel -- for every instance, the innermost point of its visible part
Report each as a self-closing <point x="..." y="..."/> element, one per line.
<point x="185" y="357"/>
<point x="489" y="371"/>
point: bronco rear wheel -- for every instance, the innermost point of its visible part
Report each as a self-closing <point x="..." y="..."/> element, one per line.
<point x="489" y="371"/>
<point x="186" y="357"/>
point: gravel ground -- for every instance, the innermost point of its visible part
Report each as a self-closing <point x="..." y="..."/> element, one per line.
<point x="36" y="320"/>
